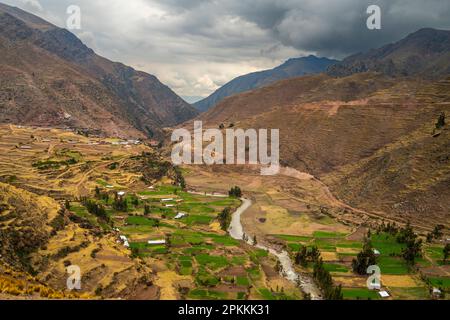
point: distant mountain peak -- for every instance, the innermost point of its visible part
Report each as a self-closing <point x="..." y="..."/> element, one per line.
<point x="425" y="52"/>
<point x="294" y="67"/>
<point x="29" y="19"/>
<point x="48" y="72"/>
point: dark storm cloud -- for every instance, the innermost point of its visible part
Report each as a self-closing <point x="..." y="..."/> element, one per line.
<point x="196" y="45"/>
<point x="325" y="26"/>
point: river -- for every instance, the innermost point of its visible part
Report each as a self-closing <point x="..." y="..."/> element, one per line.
<point x="237" y="232"/>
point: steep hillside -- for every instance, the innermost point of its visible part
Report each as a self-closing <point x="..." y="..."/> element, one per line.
<point x="290" y="69"/>
<point x="425" y="53"/>
<point x="39" y="239"/>
<point x="326" y="122"/>
<point x="49" y="77"/>
<point x="370" y="136"/>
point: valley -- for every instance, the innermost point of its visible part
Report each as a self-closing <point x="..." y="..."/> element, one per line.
<point x="89" y="181"/>
<point x="166" y="256"/>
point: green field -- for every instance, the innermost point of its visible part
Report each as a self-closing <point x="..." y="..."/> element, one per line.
<point x="360" y="293"/>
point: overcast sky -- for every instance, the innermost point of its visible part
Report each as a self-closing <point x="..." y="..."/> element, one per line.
<point x="195" y="46"/>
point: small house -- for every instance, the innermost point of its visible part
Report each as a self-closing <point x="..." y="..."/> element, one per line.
<point x="436" y="293"/>
<point x="180" y="215"/>
<point x="383" y="294"/>
<point x="156" y="242"/>
<point x="376" y="252"/>
<point x="121" y="193"/>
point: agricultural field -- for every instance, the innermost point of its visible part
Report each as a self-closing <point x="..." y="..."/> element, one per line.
<point x="293" y="210"/>
<point x="129" y="224"/>
<point x="397" y="278"/>
<point x="113" y="190"/>
<point x="195" y="258"/>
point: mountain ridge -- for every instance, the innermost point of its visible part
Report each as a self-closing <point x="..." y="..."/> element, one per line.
<point x="122" y="101"/>
<point x="291" y="68"/>
<point x="369" y="135"/>
<point x="425" y="52"/>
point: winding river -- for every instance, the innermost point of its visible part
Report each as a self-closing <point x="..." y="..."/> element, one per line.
<point x="237" y="232"/>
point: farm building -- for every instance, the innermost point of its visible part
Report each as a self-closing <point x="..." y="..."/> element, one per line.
<point x="436" y="292"/>
<point x="156" y="242"/>
<point x="125" y="242"/>
<point x="180" y="215"/>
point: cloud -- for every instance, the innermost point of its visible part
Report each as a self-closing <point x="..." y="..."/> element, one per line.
<point x="32" y="5"/>
<point x="194" y="46"/>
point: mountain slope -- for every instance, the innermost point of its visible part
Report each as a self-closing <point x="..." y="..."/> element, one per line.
<point x="38" y="239"/>
<point x="290" y="69"/>
<point x="49" y="77"/>
<point x="425" y="53"/>
<point x="368" y="135"/>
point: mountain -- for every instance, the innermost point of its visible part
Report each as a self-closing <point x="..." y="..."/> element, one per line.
<point x="290" y="69"/>
<point x="370" y="136"/>
<point x="425" y="53"/>
<point x="48" y="77"/>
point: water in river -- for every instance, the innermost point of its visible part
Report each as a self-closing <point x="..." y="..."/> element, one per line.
<point x="237" y="232"/>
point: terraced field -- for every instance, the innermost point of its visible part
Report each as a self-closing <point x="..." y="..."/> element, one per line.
<point x="400" y="280"/>
<point x="292" y="211"/>
<point x="179" y="256"/>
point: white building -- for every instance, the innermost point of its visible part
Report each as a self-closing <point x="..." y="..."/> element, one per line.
<point x="180" y="215"/>
<point x="436" y="292"/>
<point x="156" y="242"/>
<point x="383" y="294"/>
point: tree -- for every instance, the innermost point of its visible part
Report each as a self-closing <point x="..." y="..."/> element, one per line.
<point x="412" y="250"/>
<point x="325" y="282"/>
<point x="146" y="210"/>
<point x="278" y="267"/>
<point x="97" y="192"/>
<point x="364" y="259"/>
<point x="437" y="231"/>
<point x="302" y="257"/>
<point x="254" y="241"/>
<point x="446" y="251"/>
<point x="441" y="121"/>
<point x="235" y="192"/>
<point x="120" y="204"/>
<point x="314" y="253"/>
<point x="67" y="204"/>
<point x="225" y="218"/>
<point x="179" y="179"/>
<point x="406" y="234"/>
